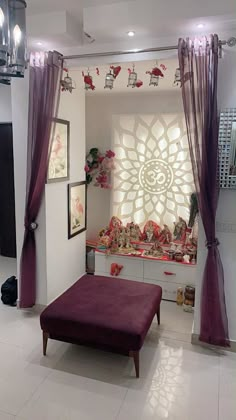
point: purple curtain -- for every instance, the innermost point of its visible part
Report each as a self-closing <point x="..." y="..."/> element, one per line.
<point x="198" y="60"/>
<point x="44" y="88"/>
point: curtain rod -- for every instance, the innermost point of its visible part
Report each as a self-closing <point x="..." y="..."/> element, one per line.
<point x="231" y="42"/>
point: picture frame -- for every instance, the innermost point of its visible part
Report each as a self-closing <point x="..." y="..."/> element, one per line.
<point x="77" y="208"/>
<point x="58" y="164"/>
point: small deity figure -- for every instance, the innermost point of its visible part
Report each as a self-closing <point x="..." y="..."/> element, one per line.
<point x="134" y="231"/>
<point x="165" y="235"/>
<point x="187" y="238"/>
<point x="115" y="222"/>
<point x="180" y="230"/>
<point x="149" y="232"/>
<point x="127" y="237"/>
<point x="115" y="239"/>
<point x="138" y="233"/>
<point x="122" y="238"/>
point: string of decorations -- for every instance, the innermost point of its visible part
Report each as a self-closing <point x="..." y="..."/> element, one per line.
<point x="156" y="73"/>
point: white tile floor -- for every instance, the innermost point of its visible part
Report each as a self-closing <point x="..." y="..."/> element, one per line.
<point x="178" y="380"/>
<point x="7" y="268"/>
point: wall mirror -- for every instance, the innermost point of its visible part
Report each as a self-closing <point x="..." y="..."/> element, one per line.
<point x="227" y="148"/>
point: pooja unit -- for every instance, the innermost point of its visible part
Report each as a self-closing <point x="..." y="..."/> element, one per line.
<point x="147" y="132"/>
<point x="167" y="274"/>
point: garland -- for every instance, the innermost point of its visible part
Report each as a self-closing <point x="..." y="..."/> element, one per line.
<point x="99" y="166"/>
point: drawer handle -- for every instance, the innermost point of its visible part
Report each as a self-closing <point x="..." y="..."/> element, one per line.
<point x="169" y="273"/>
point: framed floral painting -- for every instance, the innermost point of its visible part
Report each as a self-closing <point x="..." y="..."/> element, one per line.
<point x="77" y="208"/>
<point x="58" y="166"/>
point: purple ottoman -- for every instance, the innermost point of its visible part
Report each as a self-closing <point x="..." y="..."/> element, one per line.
<point x="103" y="312"/>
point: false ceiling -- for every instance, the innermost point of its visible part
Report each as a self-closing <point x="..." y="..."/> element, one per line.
<point x="60" y="24"/>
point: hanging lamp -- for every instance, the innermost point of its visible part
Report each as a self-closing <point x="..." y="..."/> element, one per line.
<point x="12" y="38"/>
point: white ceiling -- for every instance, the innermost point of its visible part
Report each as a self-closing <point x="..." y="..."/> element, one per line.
<point x="59" y="24"/>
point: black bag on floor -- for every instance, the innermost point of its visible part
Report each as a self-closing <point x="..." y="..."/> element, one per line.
<point x="9" y="291"/>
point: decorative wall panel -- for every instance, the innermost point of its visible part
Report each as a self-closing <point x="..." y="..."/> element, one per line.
<point x="227" y="145"/>
<point x="153" y="176"/>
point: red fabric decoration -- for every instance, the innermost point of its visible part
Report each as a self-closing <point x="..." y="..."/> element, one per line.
<point x="156" y="72"/>
<point x="116" y="70"/>
<point x="88" y="81"/>
<point x="163" y="67"/>
<point x="115" y="269"/>
<point x="139" y="83"/>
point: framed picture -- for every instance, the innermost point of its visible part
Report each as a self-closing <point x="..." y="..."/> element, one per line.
<point x="58" y="166"/>
<point x="77" y="208"/>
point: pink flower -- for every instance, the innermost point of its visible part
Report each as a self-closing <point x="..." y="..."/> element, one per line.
<point x="100" y="159"/>
<point x="110" y="154"/>
<point x="86" y="168"/>
<point x="101" y="179"/>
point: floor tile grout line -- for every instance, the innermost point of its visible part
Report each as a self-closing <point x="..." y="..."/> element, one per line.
<point x="33" y="393"/>
<point x="121" y="405"/>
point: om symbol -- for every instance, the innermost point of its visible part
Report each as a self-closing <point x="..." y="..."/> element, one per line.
<point x="155" y="176"/>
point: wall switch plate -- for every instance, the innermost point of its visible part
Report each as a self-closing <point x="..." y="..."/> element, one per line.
<point x="225" y="227"/>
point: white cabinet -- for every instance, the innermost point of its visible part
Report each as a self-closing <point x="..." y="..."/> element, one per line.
<point x="167" y="274"/>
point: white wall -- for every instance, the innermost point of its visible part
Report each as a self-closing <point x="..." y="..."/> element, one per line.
<point x="19" y="91"/>
<point x="66" y="258"/>
<point x="5" y="103"/>
<point x="226" y="213"/>
<point x="99" y="112"/>
<point x="60" y="262"/>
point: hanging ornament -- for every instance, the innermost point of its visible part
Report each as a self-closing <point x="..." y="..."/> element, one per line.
<point x="163" y="67"/>
<point x="67" y="84"/>
<point x="139" y="83"/>
<point x="111" y="76"/>
<point x="88" y="80"/>
<point x="116" y="70"/>
<point x="177" y="81"/>
<point x="109" y="80"/>
<point x="133" y="79"/>
<point x="155" y="73"/>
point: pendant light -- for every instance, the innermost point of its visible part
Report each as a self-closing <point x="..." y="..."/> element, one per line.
<point x="5" y="81"/>
<point x="4" y="32"/>
<point x="12" y="38"/>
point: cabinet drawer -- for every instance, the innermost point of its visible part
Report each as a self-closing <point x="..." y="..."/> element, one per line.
<point x="132" y="267"/>
<point x="170" y="272"/>
<point x="121" y="276"/>
<point x="169" y="290"/>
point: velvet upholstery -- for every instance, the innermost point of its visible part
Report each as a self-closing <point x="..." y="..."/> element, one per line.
<point x="103" y="311"/>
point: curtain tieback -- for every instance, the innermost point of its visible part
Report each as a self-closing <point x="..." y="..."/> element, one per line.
<point x="212" y="244"/>
<point x="31" y="226"/>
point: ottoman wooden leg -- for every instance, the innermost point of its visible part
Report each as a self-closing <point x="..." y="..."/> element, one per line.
<point x="158" y="316"/>
<point x="45" y="342"/>
<point x="135" y="355"/>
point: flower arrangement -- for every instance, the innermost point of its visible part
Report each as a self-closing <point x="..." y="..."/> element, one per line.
<point x="99" y="166"/>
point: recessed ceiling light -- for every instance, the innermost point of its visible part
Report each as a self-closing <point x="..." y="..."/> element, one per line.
<point x="39" y="43"/>
<point x="131" y="33"/>
<point x="200" y="25"/>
